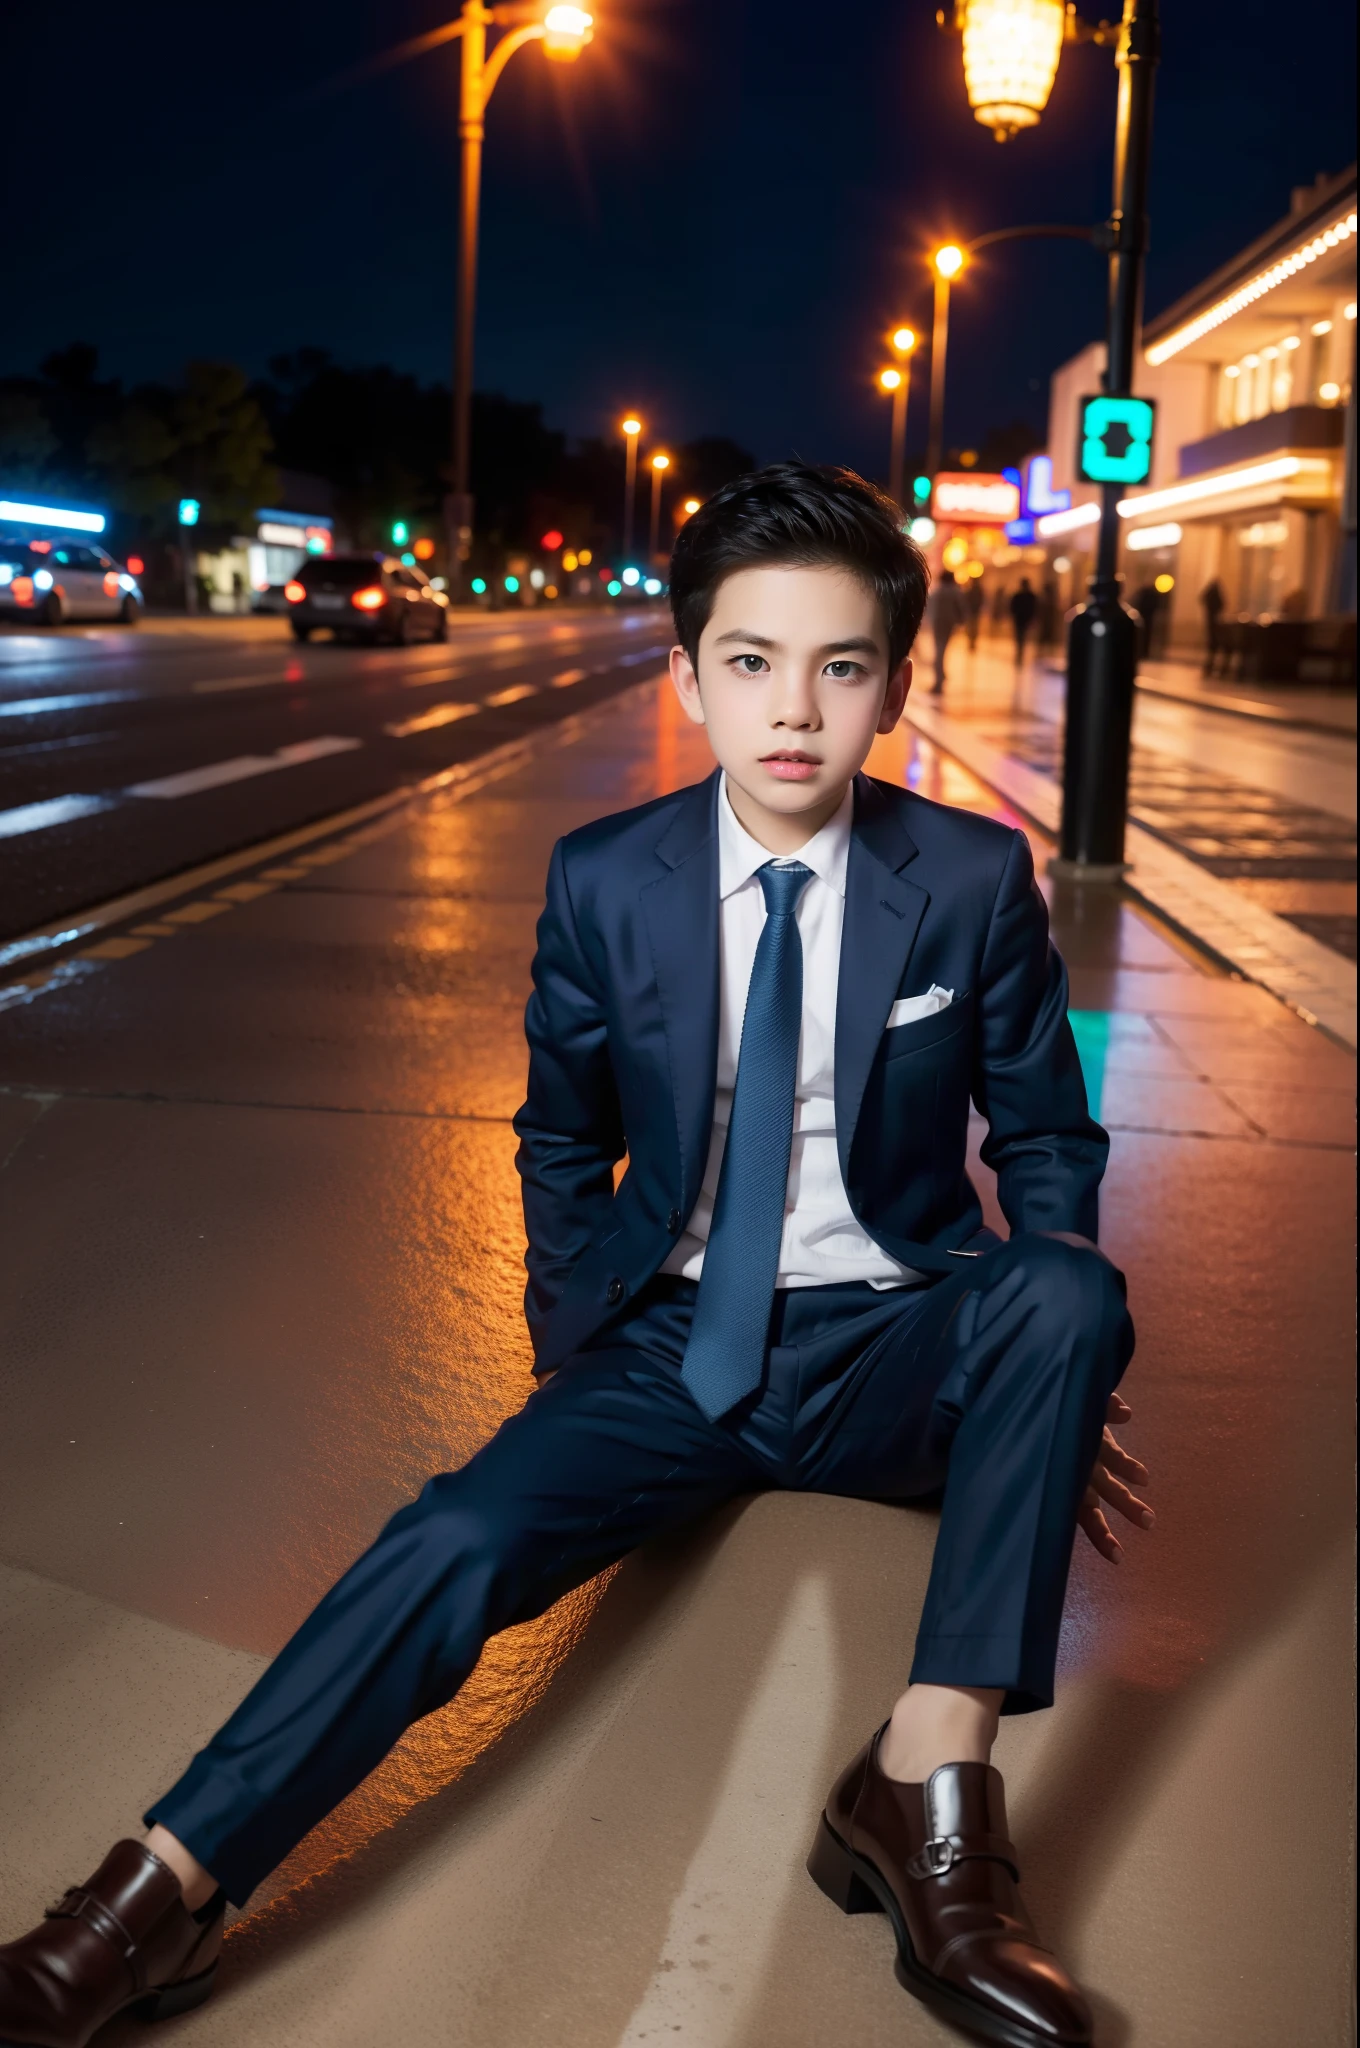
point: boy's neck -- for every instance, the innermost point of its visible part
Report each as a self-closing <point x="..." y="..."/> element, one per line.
<point x="781" y="832"/>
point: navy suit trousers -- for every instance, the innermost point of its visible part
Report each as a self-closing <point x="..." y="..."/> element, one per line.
<point x="987" y="1390"/>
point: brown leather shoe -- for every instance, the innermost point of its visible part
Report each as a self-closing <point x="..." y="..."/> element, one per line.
<point x="124" y="1941"/>
<point x="937" y="1859"/>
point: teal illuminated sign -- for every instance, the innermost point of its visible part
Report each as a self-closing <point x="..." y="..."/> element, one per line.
<point x="1116" y="440"/>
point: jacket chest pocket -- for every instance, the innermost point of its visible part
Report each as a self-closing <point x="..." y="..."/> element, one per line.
<point x="933" y="1036"/>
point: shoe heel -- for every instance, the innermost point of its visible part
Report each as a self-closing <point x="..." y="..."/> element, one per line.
<point x="173" y="1999"/>
<point x="831" y="1870"/>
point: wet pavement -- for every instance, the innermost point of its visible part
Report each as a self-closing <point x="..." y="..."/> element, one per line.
<point x="258" y="1194"/>
<point x="127" y="756"/>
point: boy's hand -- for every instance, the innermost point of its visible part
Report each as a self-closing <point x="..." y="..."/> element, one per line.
<point x="1115" y="1472"/>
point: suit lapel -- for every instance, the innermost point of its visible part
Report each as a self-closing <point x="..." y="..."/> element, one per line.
<point x="681" y="910"/>
<point x="883" y="913"/>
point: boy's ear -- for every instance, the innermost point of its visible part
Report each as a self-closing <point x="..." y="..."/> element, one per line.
<point x="686" y="684"/>
<point x="895" y="697"/>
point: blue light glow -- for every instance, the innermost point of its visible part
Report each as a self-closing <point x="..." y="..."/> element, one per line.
<point x="126" y="582"/>
<point x="512" y="584"/>
<point x="408" y="561"/>
<point x="189" y="509"/>
<point x="478" y="586"/>
<point x="53" y="515"/>
<point x="653" y="586"/>
<point x="922" y="531"/>
<point x="6" y="573"/>
<point x="614" y="587"/>
<point x="42" y="579"/>
<point x="632" y="576"/>
<point x="1040" y="495"/>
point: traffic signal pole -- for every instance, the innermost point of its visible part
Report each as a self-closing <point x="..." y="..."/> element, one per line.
<point x="1102" y="640"/>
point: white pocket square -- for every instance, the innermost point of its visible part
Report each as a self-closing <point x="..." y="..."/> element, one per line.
<point x="910" y="1009"/>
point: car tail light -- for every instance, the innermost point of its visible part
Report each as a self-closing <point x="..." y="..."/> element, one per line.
<point x="293" y="591"/>
<point x="111" y="583"/>
<point x="370" y="598"/>
<point x="22" y="589"/>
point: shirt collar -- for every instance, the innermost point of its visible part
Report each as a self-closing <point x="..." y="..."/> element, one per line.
<point x="739" y="855"/>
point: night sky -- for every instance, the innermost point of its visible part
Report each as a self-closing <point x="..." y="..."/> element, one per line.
<point x="713" y="216"/>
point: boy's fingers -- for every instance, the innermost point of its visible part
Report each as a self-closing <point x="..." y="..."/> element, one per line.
<point x="1116" y="1459"/>
<point x="1118" y="1495"/>
<point x="1098" y="1531"/>
<point x="1118" y="1409"/>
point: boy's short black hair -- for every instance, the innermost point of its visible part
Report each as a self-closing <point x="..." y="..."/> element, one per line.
<point x="793" y="515"/>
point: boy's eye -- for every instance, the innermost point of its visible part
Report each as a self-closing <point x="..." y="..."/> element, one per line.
<point x="842" y="671"/>
<point x="750" y="664"/>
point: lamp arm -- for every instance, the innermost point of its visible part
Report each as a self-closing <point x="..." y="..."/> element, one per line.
<point x="531" y="32"/>
<point x="1098" y="237"/>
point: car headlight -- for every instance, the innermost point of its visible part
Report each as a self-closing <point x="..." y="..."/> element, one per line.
<point x="42" y="579"/>
<point x="126" y="582"/>
<point x="6" y="573"/>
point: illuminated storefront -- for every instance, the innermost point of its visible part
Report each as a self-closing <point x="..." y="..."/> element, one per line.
<point x="1252" y="376"/>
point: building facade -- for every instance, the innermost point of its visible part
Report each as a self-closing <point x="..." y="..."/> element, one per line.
<point x="1252" y="488"/>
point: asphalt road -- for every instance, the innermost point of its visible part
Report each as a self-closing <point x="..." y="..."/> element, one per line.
<point x="126" y="757"/>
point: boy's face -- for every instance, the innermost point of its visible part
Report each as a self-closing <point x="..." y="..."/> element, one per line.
<point x="793" y="683"/>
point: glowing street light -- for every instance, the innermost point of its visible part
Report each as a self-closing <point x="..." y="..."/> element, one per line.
<point x="947" y="262"/>
<point x="630" y="428"/>
<point x="1010" y="59"/>
<point x="690" y="507"/>
<point x="896" y="380"/>
<point x="564" y="32"/>
<point x="659" y="465"/>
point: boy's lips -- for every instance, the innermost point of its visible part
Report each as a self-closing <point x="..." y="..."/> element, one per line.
<point x="790" y="764"/>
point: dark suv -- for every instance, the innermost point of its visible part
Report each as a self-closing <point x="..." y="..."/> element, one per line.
<point x="365" y="597"/>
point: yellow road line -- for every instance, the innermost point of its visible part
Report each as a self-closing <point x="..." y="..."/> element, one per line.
<point x="511" y="696"/>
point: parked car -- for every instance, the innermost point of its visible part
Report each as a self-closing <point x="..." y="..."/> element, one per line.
<point x="51" y="580"/>
<point x="366" y="597"/>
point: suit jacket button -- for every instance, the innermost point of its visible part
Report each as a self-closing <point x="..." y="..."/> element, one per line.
<point x="613" y="1293"/>
<point x="673" y="1221"/>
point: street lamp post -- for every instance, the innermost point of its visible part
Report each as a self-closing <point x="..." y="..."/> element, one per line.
<point x="946" y="263"/>
<point x="897" y="380"/>
<point x="1008" y="87"/>
<point x="564" y="32"/>
<point x="1102" y="638"/>
<point x="630" y="428"/>
<point x="659" y="465"/>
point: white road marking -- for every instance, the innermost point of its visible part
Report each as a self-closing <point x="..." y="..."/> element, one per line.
<point x="57" y="810"/>
<point x="726" y="1916"/>
<point x="427" y="721"/>
<point x="31" y="707"/>
<point x="193" y="780"/>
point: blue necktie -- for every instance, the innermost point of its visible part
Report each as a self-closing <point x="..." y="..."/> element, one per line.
<point x="725" y="1356"/>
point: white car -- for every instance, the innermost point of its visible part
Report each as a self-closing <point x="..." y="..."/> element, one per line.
<point x="48" y="581"/>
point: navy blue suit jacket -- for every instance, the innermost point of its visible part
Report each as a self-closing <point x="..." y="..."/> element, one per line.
<point x="623" y="1032"/>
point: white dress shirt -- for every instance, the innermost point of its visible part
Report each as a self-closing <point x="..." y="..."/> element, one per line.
<point x="821" y="1242"/>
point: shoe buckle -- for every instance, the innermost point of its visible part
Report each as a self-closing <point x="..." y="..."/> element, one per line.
<point x="934" y="1858"/>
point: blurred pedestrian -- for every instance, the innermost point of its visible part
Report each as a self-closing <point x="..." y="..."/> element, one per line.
<point x="1024" y="604"/>
<point x="971" y="601"/>
<point x="944" y="615"/>
<point x="1212" y="603"/>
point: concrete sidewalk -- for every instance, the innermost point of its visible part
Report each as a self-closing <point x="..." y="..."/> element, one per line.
<point x="258" y="1194"/>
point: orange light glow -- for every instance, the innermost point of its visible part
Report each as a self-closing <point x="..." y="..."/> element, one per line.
<point x="630" y="426"/>
<point x="691" y="506"/>
<point x="890" y="380"/>
<point x="948" y="261"/>
<point x="370" y="599"/>
<point x="424" y="550"/>
<point x="904" y="340"/>
<point x="552" y="540"/>
<point x="294" y="592"/>
<point x="136" y="566"/>
<point x="21" y="590"/>
<point x="40" y="547"/>
<point x="661" y="462"/>
<point x="110" y="583"/>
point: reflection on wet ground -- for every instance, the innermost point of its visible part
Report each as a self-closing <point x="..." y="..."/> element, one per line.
<point x="259" y="1182"/>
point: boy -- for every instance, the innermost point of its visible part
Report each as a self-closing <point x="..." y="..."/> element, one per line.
<point x="775" y="992"/>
